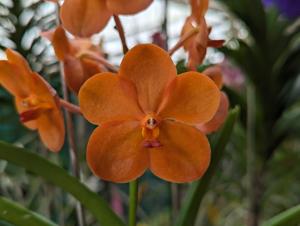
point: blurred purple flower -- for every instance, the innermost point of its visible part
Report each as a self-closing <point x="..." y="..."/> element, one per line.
<point x="289" y="8"/>
<point x="116" y="202"/>
<point x="232" y="76"/>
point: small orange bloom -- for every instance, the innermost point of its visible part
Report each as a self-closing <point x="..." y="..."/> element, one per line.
<point x="197" y="45"/>
<point x="35" y="100"/>
<point x="215" y="73"/>
<point x="86" y="17"/>
<point x="147" y="117"/>
<point x="219" y="118"/>
<point x="78" y="67"/>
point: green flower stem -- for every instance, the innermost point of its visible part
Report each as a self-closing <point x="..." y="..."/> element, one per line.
<point x="133" y="202"/>
<point x="252" y="168"/>
<point x="13" y="213"/>
<point x="60" y="177"/>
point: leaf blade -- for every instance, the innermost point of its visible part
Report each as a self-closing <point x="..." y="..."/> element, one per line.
<point x="288" y="217"/>
<point x="16" y="214"/>
<point x="59" y="177"/>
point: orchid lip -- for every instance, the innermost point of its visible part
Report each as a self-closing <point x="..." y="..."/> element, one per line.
<point x="151" y="144"/>
<point x="33" y="113"/>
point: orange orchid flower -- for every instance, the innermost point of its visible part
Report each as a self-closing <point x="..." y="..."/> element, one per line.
<point x="35" y="100"/>
<point x="78" y="67"/>
<point x="147" y="117"/>
<point x="84" y="18"/>
<point x="215" y="73"/>
<point x="197" y="45"/>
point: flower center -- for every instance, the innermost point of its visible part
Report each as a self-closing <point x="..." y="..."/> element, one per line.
<point x="31" y="101"/>
<point x="34" y="108"/>
<point x="150" y="132"/>
<point x="151" y="123"/>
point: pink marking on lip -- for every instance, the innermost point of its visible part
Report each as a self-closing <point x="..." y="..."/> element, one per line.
<point x="151" y="144"/>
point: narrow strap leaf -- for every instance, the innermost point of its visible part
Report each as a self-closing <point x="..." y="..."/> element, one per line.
<point x="195" y="194"/>
<point x="13" y="213"/>
<point x="288" y="217"/>
<point x="60" y="177"/>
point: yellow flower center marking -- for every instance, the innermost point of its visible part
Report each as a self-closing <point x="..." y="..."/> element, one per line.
<point x="150" y="132"/>
<point x="34" y="107"/>
<point x="31" y="101"/>
<point x="150" y="128"/>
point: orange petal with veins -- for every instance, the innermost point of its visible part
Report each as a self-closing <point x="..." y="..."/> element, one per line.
<point x="16" y="58"/>
<point x="184" y="155"/>
<point x="84" y="18"/>
<point x="115" y="152"/>
<point x="12" y="79"/>
<point x="42" y="89"/>
<point x="60" y="43"/>
<point x="14" y="74"/>
<point x="51" y="129"/>
<point x="151" y="69"/>
<point x="126" y="7"/>
<point x="191" y="98"/>
<point x="74" y="73"/>
<point x="107" y="97"/>
<point x="217" y="121"/>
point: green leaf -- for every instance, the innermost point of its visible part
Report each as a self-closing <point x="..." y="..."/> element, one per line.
<point x="288" y="123"/>
<point x="288" y="217"/>
<point x="195" y="194"/>
<point x="59" y="177"/>
<point x="181" y="67"/>
<point x="20" y="216"/>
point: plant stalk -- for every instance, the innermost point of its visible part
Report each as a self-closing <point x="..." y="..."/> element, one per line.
<point x="101" y="60"/>
<point x="165" y="24"/>
<point x="253" y="181"/>
<point x="121" y="32"/>
<point x="75" y="168"/>
<point x="72" y="108"/>
<point x="133" y="202"/>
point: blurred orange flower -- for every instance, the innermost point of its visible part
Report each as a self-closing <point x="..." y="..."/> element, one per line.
<point x="78" y="67"/>
<point x="35" y="100"/>
<point x="197" y="45"/>
<point x="147" y="117"/>
<point x="84" y="18"/>
<point x="215" y="73"/>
